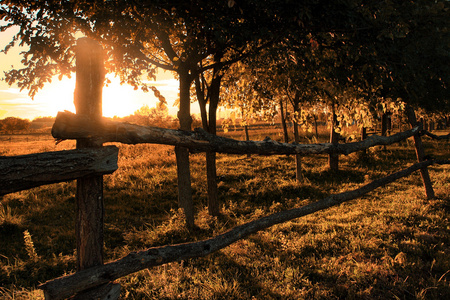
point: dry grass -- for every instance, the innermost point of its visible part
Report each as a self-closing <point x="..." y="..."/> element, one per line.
<point x="391" y="244"/>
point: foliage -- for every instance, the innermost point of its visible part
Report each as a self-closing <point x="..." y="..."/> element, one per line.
<point x="239" y="93"/>
<point x="390" y="49"/>
<point x="43" y="119"/>
<point x="156" y="116"/>
<point x="410" y="44"/>
<point x="12" y="124"/>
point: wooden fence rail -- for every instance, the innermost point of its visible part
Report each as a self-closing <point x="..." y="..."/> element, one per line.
<point x="70" y="126"/>
<point x="66" y="286"/>
<point x="23" y="172"/>
<point x="436" y="137"/>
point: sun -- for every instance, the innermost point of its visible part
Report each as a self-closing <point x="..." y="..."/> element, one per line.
<point x="118" y="100"/>
<point x="123" y="100"/>
<point x="56" y="96"/>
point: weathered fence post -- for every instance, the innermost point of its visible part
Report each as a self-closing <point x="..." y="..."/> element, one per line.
<point x="333" y="158"/>
<point x="420" y="153"/>
<point x="363" y="134"/>
<point x="90" y="76"/>
<point x="88" y="101"/>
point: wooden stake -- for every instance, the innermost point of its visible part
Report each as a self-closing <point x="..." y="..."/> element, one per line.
<point x="90" y="76"/>
<point x="420" y="153"/>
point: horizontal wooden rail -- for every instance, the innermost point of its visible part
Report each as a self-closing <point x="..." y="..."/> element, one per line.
<point x="435" y="137"/>
<point x="71" y="126"/>
<point x="69" y="285"/>
<point x="27" y="171"/>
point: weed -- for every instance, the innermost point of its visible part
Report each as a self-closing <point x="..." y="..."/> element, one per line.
<point x="7" y="217"/>
<point x="29" y="246"/>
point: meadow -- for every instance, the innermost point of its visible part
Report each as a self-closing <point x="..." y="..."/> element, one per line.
<point x="390" y="244"/>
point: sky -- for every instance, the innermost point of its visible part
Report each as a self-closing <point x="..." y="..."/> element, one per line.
<point x="118" y="100"/>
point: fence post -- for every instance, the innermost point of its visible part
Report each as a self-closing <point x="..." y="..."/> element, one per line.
<point x="333" y="158"/>
<point x="420" y="153"/>
<point x="90" y="75"/>
<point x="363" y="133"/>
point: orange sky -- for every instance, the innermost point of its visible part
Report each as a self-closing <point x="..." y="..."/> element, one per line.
<point x="120" y="100"/>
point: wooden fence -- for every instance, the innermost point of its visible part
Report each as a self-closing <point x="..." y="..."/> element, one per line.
<point x="88" y="163"/>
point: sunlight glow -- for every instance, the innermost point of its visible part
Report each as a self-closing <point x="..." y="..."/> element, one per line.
<point x="123" y="100"/>
<point x="57" y="96"/>
<point x="118" y="100"/>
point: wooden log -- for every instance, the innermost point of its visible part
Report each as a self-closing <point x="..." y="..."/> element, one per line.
<point x="90" y="76"/>
<point x="434" y="136"/>
<point x="70" y="126"/>
<point x="66" y="286"/>
<point x="107" y="291"/>
<point x="27" y="171"/>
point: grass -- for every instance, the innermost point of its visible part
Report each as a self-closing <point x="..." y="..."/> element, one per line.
<point x="390" y="244"/>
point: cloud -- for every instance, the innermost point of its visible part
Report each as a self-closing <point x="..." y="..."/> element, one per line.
<point x="13" y="94"/>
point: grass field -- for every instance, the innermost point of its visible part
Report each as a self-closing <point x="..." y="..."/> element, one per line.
<point x="390" y="244"/>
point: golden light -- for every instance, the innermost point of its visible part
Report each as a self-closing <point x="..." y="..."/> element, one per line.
<point x="118" y="100"/>
<point x="123" y="100"/>
<point x="56" y="96"/>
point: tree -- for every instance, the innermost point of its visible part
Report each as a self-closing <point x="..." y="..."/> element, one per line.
<point x="193" y="37"/>
<point x="12" y="124"/>
<point x="152" y="116"/>
<point x="139" y="36"/>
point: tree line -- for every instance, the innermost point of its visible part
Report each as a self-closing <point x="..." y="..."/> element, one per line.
<point x="11" y="125"/>
<point x="353" y="59"/>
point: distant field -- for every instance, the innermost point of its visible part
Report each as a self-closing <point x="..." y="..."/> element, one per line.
<point x="390" y="244"/>
<point x="17" y="144"/>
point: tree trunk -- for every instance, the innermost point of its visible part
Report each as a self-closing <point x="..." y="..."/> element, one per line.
<point x="363" y="137"/>
<point x="298" y="157"/>
<point x="316" y="130"/>
<point x="247" y="137"/>
<point x="399" y="123"/>
<point x="333" y="158"/>
<point x="201" y="98"/>
<point x="182" y="154"/>
<point x="384" y="124"/>
<point x="211" y="172"/>
<point x="283" y="122"/>
<point x="420" y="153"/>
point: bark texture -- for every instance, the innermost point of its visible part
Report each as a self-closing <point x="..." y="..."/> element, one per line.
<point x="70" y="126"/>
<point x="90" y="76"/>
<point x="434" y="136"/>
<point x="420" y="154"/>
<point x="182" y="154"/>
<point x="27" y="171"/>
<point x="333" y="158"/>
